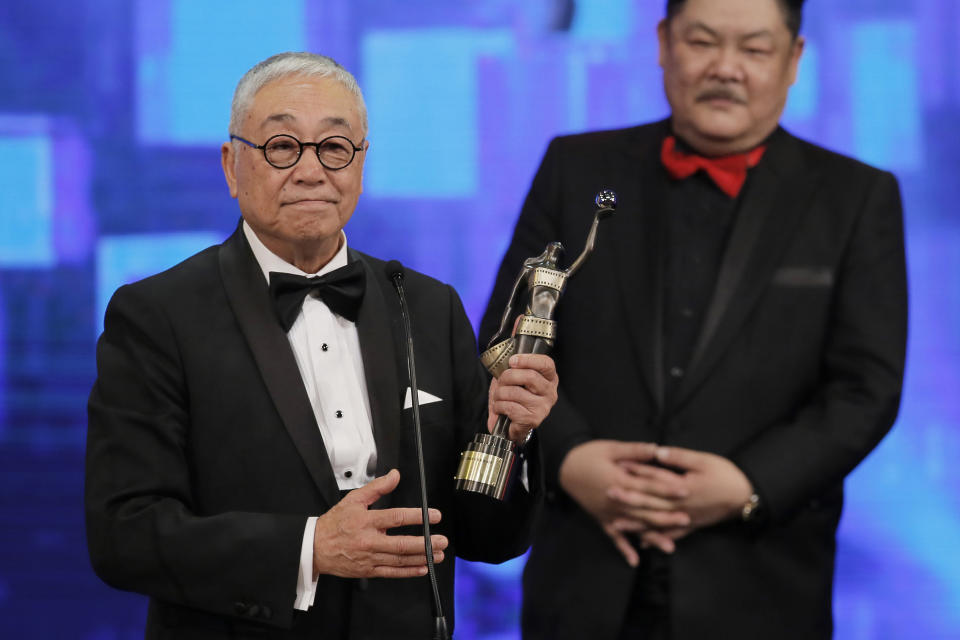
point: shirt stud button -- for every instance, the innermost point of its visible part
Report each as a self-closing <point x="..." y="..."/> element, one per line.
<point x="324" y="347"/>
<point x="339" y="413"/>
<point x="348" y="474"/>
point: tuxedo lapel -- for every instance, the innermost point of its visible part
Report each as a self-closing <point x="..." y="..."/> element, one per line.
<point x="638" y="242"/>
<point x="774" y="203"/>
<point x="250" y="299"/>
<point x="380" y="365"/>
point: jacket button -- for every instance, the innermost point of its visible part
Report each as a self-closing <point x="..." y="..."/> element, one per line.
<point x="253" y="611"/>
<point x="265" y="612"/>
<point x="240" y="607"/>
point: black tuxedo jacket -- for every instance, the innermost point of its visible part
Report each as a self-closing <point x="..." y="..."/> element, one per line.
<point x="204" y="458"/>
<point x="796" y="376"/>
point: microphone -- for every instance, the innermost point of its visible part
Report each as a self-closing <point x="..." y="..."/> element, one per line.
<point x="395" y="273"/>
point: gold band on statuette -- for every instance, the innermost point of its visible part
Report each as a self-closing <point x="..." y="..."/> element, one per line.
<point x="543" y="277"/>
<point x="539" y="327"/>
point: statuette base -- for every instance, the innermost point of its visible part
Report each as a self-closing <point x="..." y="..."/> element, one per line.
<point x="486" y="466"/>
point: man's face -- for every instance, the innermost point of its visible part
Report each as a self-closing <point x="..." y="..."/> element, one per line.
<point x="297" y="212"/>
<point x="727" y="67"/>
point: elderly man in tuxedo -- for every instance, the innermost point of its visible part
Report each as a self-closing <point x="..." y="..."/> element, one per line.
<point x="732" y="351"/>
<point x="251" y="463"/>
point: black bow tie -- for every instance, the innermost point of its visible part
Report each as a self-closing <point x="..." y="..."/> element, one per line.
<point x="341" y="290"/>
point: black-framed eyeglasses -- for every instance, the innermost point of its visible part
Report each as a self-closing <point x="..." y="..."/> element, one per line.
<point x="283" y="151"/>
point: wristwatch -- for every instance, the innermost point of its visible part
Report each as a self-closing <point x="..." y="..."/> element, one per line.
<point x="750" y="509"/>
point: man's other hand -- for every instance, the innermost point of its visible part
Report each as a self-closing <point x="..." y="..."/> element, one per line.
<point x="525" y="393"/>
<point x="715" y="490"/>
<point x="351" y="540"/>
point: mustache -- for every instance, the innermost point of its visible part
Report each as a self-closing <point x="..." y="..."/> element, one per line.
<point x="720" y="93"/>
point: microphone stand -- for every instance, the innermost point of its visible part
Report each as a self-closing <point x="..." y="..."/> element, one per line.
<point x="395" y="272"/>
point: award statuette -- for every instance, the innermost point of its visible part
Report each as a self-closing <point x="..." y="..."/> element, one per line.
<point x="487" y="465"/>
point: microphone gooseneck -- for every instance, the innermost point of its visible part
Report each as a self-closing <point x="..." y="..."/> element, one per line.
<point x="395" y="272"/>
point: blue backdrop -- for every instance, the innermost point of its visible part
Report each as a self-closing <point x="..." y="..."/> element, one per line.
<point x="111" y="115"/>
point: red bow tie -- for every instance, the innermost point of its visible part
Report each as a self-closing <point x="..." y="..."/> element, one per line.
<point x="728" y="172"/>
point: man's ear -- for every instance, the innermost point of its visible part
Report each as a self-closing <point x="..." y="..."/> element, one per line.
<point x="795" y="54"/>
<point x="663" y="38"/>
<point x="228" y="159"/>
<point x="363" y="161"/>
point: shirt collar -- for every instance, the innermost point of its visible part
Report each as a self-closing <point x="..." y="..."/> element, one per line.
<point x="688" y="149"/>
<point x="269" y="261"/>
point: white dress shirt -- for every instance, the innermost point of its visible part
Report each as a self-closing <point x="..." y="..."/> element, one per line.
<point x="327" y="350"/>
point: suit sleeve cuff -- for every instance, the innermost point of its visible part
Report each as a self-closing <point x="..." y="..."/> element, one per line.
<point x="306" y="583"/>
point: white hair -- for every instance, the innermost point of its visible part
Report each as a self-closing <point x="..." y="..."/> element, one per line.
<point x="291" y="64"/>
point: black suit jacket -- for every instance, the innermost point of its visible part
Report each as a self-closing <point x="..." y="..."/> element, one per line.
<point x="204" y="458"/>
<point x="796" y="376"/>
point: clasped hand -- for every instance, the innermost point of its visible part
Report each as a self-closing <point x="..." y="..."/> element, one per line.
<point x="659" y="493"/>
